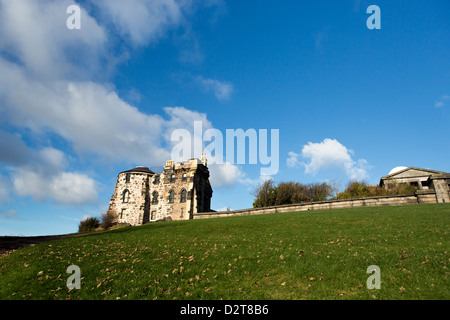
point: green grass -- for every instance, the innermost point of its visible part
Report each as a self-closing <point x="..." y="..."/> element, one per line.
<point x="305" y="255"/>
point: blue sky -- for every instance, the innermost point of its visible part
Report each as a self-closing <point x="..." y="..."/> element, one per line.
<point x="79" y="106"/>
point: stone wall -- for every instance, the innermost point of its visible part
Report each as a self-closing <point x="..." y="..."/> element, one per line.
<point x="133" y="210"/>
<point x="442" y="188"/>
<point x="176" y="210"/>
<point x="181" y="190"/>
<point x="424" y="196"/>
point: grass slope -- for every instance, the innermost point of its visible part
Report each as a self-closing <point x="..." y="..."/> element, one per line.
<point x="307" y="255"/>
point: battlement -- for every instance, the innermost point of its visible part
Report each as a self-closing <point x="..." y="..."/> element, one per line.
<point x="180" y="191"/>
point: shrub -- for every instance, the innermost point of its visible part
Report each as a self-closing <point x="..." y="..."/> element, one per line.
<point x="403" y="188"/>
<point x="109" y="219"/>
<point x="356" y="189"/>
<point x="269" y="194"/>
<point x="89" y="224"/>
<point x="360" y="189"/>
<point x="319" y="191"/>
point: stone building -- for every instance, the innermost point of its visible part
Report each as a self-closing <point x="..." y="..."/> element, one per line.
<point x="423" y="179"/>
<point x="180" y="191"/>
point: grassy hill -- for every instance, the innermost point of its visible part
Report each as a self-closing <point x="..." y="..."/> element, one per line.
<point x="306" y="255"/>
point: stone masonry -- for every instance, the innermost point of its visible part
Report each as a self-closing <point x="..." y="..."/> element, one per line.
<point x="179" y="192"/>
<point x="423" y="180"/>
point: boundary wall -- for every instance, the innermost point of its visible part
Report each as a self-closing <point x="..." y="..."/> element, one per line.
<point x="420" y="196"/>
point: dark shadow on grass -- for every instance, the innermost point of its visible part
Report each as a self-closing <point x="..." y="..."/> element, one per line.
<point x="9" y="244"/>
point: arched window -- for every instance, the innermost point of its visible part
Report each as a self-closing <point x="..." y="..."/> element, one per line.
<point x="154" y="197"/>
<point x="126" y="196"/>
<point x="127" y="177"/>
<point x="171" y="196"/>
<point x="183" y="196"/>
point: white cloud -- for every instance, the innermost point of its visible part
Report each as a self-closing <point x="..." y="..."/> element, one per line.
<point x="180" y="117"/>
<point x="17" y="151"/>
<point x="222" y="89"/>
<point x="35" y="33"/>
<point x="145" y="21"/>
<point x="92" y="117"/>
<point x="224" y="209"/>
<point x="85" y="217"/>
<point x="251" y="183"/>
<point x="358" y="170"/>
<point x="4" y="190"/>
<point x="60" y="187"/>
<point x="225" y="174"/>
<point x="141" y="22"/>
<point x="328" y="154"/>
<point x="8" y="214"/>
<point x="53" y="157"/>
<point x="95" y="120"/>
<point x="41" y="174"/>
<point x="54" y="66"/>
<point x="442" y="101"/>
<point x="89" y="115"/>
<point x="293" y="160"/>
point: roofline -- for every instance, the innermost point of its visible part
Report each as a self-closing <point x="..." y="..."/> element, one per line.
<point x="413" y="168"/>
<point x="138" y="170"/>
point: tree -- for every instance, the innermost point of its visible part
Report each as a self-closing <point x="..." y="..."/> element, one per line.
<point x="300" y="193"/>
<point x="109" y="219"/>
<point x="265" y="194"/>
<point x="359" y="189"/>
<point x="284" y="193"/>
<point x="269" y="194"/>
<point x="291" y="192"/>
<point x="319" y="191"/>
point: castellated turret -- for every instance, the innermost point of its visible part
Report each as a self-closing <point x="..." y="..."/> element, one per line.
<point x="180" y="191"/>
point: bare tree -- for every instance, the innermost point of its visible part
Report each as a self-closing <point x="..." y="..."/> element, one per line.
<point x="319" y="191"/>
<point x="109" y="219"/>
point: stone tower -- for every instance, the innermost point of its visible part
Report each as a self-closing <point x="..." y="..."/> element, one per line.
<point x="180" y="191"/>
